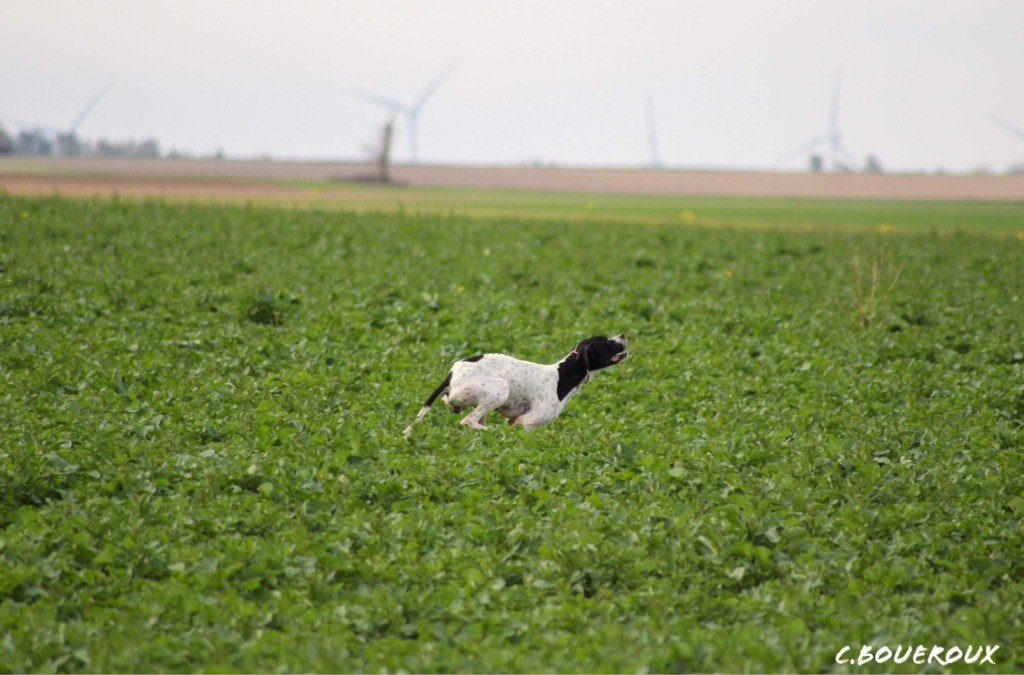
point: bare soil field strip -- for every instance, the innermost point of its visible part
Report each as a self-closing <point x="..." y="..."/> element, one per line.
<point x="262" y="179"/>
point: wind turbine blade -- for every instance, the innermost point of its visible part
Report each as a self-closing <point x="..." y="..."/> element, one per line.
<point x="802" y="150"/>
<point x="429" y="91"/>
<point x="88" y="108"/>
<point x="411" y="114"/>
<point x="1006" y="126"/>
<point x="379" y="100"/>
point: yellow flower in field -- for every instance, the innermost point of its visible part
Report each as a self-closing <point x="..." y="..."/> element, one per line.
<point x="885" y="228"/>
<point x="24" y="214"/>
<point x="1020" y="235"/>
<point x="728" y="274"/>
<point x="688" y="217"/>
<point x="460" y="289"/>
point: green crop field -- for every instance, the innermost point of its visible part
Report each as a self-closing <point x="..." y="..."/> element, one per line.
<point x="775" y="214"/>
<point x="816" y="443"/>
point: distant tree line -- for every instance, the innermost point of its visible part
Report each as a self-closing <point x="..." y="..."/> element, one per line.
<point x="38" y="142"/>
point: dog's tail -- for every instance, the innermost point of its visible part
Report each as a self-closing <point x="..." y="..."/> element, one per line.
<point x="430" y="401"/>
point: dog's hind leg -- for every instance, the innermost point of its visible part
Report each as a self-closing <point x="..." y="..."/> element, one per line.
<point x="484" y="395"/>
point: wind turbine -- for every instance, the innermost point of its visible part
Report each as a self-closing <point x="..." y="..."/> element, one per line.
<point x="67" y="138"/>
<point x="1006" y="126"/>
<point x="411" y="111"/>
<point x="832" y="139"/>
<point x="652" y="136"/>
<point x="84" y="112"/>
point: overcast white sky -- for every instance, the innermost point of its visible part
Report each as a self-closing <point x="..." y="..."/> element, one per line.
<point x="735" y="83"/>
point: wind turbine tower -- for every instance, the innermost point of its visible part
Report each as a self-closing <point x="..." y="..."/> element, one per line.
<point x="832" y="140"/>
<point x="411" y="111"/>
<point x="652" y="136"/>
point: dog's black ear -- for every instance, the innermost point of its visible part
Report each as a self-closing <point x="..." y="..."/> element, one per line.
<point x="582" y="350"/>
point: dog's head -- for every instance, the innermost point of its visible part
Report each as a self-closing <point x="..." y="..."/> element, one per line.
<point x="600" y="352"/>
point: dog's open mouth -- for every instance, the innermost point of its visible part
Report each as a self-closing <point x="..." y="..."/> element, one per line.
<point x="621" y="356"/>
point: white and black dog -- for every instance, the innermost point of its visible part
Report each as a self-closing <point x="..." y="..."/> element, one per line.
<point x="526" y="393"/>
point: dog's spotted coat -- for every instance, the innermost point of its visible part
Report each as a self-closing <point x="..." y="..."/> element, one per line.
<point x="526" y="393"/>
